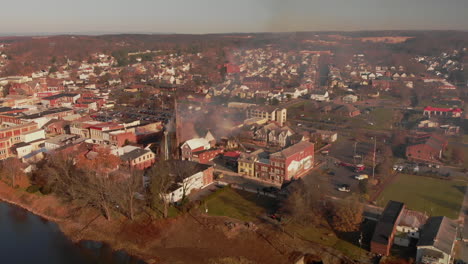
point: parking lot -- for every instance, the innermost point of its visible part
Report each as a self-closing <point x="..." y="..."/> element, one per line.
<point x="131" y="114"/>
<point x="338" y="175"/>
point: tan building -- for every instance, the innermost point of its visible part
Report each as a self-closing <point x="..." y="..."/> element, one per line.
<point x="271" y="113"/>
<point x="246" y="163"/>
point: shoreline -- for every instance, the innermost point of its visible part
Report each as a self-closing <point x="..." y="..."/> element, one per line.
<point x="72" y="228"/>
<point x="184" y="239"/>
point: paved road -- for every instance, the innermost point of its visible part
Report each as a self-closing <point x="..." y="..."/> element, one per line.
<point x="463" y="229"/>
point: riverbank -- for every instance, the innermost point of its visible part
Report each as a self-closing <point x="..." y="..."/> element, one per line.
<point x="186" y="239"/>
<point x="76" y="223"/>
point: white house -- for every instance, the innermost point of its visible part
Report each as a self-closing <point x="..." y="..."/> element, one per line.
<point x="200" y="177"/>
<point x="61" y="140"/>
<point x="321" y="96"/>
<point x="409" y="227"/>
<point x="349" y="99"/>
<point x="437" y="240"/>
<point x="33" y="135"/>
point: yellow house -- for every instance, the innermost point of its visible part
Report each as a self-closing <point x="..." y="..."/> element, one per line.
<point x="246" y="163"/>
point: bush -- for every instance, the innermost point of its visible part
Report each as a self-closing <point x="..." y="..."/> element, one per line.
<point x="46" y="190"/>
<point x="33" y="188"/>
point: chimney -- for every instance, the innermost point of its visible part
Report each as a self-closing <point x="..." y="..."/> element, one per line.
<point x="166" y="143"/>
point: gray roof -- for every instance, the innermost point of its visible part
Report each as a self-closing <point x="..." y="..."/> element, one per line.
<point x="285" y="153"/>
<point x="439" y="232"/>
<point x="129" y="156"/>
<point x="388" y="220"/>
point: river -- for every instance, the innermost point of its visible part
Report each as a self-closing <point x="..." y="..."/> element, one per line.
<point x="29" y="239"/>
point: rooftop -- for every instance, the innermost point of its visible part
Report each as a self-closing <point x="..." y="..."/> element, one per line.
<point x="439" y="232"/>
<point x="131" y="155"/>
<point x="293" y="149"/>
<point x="383" y="230"/>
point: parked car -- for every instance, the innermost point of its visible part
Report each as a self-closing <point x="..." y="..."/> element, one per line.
<point x="395" y="167"/>
<point x="400" y="168"/>
<point x="359" y="168"/>
<point x="344" y="188"/>
<point x="275" y="217"/>
<point x="361" y="177"/>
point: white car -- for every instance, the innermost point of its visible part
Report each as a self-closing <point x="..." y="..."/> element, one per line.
<point x="344" y="188"/>
<point x="395" y="167"/>
<point x="361" y="177"/>
<point x="400" y="168"/>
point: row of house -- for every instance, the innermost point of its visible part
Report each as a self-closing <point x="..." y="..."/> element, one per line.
<point x="435" y="236"/>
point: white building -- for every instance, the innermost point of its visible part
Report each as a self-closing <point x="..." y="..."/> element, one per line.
<point x="321" y="96"/>
<point x="437" y="241"/>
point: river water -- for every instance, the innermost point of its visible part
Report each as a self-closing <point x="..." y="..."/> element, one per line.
<point x="29" y="239"/>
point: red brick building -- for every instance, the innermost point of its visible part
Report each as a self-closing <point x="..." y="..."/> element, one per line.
<point x="139" y="158"/>
<point x="286" y="165"/>
<point x="121" y="137"/>
<point x="60" y="99"/>
<point x="384" y="233"/>
<point x="205" y="156"/>
<point x="258" y="83"/>
<point x="426" y="148"/>
<point x="12" y="135"/>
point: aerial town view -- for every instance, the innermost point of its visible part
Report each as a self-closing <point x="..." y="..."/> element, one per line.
<point x="245" y="132"/>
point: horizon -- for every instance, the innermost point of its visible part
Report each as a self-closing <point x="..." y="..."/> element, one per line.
<point x="105" y="33"/>
<point x="243" y="16"/>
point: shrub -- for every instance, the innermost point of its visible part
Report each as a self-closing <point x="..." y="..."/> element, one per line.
<point x="33" y="188"/>
<point x="46" y="190"/>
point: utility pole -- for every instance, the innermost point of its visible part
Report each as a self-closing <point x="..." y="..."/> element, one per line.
<point x="354" y="156"/>
<point x="373" y="158"/>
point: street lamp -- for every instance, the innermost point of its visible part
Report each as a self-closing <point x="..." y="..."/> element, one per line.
<point x="373" y="158"/>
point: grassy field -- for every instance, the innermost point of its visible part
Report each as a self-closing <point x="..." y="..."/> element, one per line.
<point x="433" y="196"/>
<point x="381" y="118"/>
<point x="239" y="204"/>
<point x="248" y="206"/>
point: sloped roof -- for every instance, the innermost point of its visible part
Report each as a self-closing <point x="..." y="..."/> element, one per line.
<point x="439" y="232"/>
<point x="195" y="143"/>
<point x="134" y="154"/>
<point x="387" y="221"/>
<point x="293" y="149"/>
<point x="412" y="219"/>
<point x="209" y="136"/>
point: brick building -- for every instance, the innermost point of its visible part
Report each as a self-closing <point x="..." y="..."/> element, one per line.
<point x="384" y="233"/>
<point x="205" y="156"/>
<point x="258" y="83"/>
<point x="286" y="165"/>
<point x="13" y="135"/>
<point x="426" y="148"/>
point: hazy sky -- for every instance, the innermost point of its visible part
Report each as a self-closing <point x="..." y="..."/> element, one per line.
<point x="215" y="16"/>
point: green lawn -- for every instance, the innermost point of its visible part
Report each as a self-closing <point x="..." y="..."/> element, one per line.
<point x="247" y="206"/>
<point x="382" y="119"/>
<point x="239" y="204"/>
<point x="433" y="196"/>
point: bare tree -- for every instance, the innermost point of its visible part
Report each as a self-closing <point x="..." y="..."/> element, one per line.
<point x="11" y="171"/>
<point x="347" y="215"/>
<point x="126" y="184"/>
<point x="160" y="182"/>
<point x="458" y="156"/>
<point x="306" y="202"/>
<point x="88" y="186"/>
<point x="182" y="172"/>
